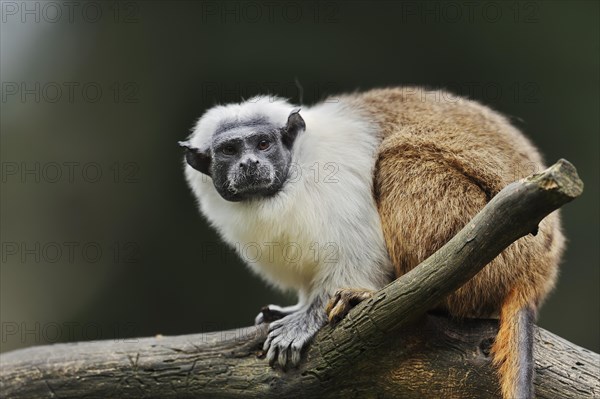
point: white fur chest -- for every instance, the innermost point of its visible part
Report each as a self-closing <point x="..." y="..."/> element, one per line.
<point x="323" y="225"/>
<point x="276" y="246"/>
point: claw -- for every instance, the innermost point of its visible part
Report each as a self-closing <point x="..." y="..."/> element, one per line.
<point x="343" y="301"/>
<point x="282" y="359"/>
<point x="271" y="354"/>
<point x="296" y="354"/>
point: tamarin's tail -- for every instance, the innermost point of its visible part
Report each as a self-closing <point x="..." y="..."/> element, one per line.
<point x="513" y="348"/>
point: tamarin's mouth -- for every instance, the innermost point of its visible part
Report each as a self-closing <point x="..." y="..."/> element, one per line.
<point x="257" y="178"/>
<point x="250" y="186"/>
<point x="253" y="186"/>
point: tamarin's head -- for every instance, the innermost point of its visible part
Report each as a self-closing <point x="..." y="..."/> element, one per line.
<point x="245" y="148"/>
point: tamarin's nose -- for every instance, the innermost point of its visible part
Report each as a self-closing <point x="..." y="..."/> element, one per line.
<point x="249" y="163"/>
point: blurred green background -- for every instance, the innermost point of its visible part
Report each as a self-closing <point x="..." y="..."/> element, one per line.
<point x="100" y="235"/>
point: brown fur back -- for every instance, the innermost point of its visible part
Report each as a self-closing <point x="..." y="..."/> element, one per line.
<point x="441" y="160"/>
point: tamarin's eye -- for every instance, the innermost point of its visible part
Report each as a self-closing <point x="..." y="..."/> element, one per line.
<point x="228" y="150"/>
<point x="264" y="145"/>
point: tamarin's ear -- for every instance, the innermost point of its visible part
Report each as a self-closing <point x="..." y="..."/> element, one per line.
<point x="196" y="158"/>
<point x="294" y="125"/>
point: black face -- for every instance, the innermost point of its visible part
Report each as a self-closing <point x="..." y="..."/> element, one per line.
<point x="248" y="160"/>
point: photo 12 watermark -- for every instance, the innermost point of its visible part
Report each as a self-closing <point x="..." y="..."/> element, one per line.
<point x="69" y="172"/>
<point x="254" y="252"/>
<point x="317" y="172"/>
<point x="528" y="92"/>
<point x="52" y="12"/>
<point x="218" y="331"/>
<point x="469" y="12"/>
<point x="35" y="332"/>
<point x="69" y="252"/>
<point x="270" y="12"/>
<point x="71" y="92"/>
<point x="292" y="89"/>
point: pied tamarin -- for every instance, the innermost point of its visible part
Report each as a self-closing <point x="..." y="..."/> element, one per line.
<point x="355" y="191"/>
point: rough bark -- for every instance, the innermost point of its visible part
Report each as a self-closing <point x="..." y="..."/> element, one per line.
<point x="386" y="347"/>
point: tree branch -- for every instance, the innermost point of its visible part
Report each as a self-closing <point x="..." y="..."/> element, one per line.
<point x="386" y="347"/>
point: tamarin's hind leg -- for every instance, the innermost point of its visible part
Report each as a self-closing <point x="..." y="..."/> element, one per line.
<point x="513" y="348"/>
<point x="343" y="301"/>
